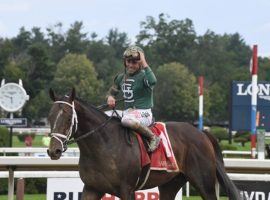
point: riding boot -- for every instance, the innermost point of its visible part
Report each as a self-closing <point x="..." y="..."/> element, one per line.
<point x="153" y="139"/>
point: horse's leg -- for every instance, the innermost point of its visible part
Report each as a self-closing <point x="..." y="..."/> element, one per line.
<point x="169" y="190"/>
<point x="90" y="194"/>
<point x="127" y="193"/>
<point x="203" y="179"/>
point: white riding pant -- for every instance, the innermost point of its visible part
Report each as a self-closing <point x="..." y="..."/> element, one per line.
<point x="132" y="117"/>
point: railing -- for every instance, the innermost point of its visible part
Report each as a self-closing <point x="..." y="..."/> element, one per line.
<point x="28" y="166"/>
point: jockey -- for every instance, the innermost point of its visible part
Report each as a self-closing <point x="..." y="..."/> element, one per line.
<point x="137" y="85"/>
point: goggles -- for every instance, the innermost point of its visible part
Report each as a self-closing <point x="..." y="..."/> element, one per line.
<point x="133" y="61"/>
<point x="132" y="55"/>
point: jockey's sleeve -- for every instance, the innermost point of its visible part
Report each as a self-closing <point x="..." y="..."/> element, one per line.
<point x="115" y="88"/>
<point x="113" y="91"/>
<point x="150" y="78"/>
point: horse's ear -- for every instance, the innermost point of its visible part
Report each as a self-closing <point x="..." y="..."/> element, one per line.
<point x="52" y="95"/>
<point x="73" y="94"/>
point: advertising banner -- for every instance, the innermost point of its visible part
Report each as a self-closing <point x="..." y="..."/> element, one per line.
<point x="241" y="105"/>
<point x="254" y="190"/>
<point x="71" y="188"/>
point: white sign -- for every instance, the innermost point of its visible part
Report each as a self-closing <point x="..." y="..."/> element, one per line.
<point x="71" y="189"/>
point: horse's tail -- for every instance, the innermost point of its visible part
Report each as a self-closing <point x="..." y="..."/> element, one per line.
<point x="224" y="180"/>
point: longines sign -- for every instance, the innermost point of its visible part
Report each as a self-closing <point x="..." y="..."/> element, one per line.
<point x="15" y="122"/>
<point x="241" y="105"/>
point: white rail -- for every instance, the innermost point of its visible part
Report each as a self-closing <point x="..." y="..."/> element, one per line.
<point x="6" y="150"/>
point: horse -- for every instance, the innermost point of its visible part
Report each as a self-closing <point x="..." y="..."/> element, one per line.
<point x="110" y="164"/>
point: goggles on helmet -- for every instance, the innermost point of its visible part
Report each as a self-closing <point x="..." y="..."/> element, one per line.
<point x="132" y="53"/>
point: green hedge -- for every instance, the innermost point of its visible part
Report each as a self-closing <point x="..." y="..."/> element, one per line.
<point x="219" y="132"/>
<point x="22" y="136"/>
<point x="4" y="137"/>
<point x="242" y="137"/>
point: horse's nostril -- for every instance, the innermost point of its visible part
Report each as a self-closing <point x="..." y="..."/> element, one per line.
<point x="58" y="151"/>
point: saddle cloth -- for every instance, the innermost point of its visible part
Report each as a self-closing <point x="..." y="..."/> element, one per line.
<point x="163" y="157"/>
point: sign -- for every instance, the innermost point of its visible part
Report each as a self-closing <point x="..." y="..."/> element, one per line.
<point x="71" y="189"/>
<point x="15" y="122"/>
<point x="254" y="190"/>
<point x="241" y="105"/>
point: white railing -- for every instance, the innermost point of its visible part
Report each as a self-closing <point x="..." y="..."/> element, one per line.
<point x="238" y="153"/>
<point x="45" y="167"/>
<point x="35" y="151"/>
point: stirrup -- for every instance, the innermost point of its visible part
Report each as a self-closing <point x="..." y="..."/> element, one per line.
<point x="153" y="144"/>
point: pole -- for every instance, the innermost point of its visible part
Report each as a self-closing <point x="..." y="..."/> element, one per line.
<point x="11" y="184"/>
<point x="200" y="103"/>
<point x="10" y="131"/>
<point x="254" y="100"/>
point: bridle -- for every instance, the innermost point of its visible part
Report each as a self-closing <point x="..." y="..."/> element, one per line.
<point x="74" y="123"/>
<point x="73" y="127"/>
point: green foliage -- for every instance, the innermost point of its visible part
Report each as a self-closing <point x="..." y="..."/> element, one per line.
<point x="39" y="106"/>
<point x="76" y="41"/>
<point x="77" y="71"/>
<point x="242" y="137"/>
<point x="177" y="87"/>
<point x="35" y="185"/>
<point x="13" y="72"/>
<point x="22" y="136"/>
<point x="38" y="59"/>
<point x="219" y="132"/>
<point x="3" y="186"/>
<point x="227" y="146"/>
<point x="4" y="139"/>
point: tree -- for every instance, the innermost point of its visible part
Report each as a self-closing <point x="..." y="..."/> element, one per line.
<point x="13" y="72"/>
<point x="56" y="40"/>
<point x="170" y="41"/>
<point x="176" y="93"/>
<point x="75" y="70"/>
<point x="38" y="107"/>
<point x="76" y="41"/>
<point x="40" y="69"/>
<point x="105" y="62"/>
<point x="118" y="41"/>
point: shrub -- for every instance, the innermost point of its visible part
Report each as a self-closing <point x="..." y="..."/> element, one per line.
<point x="219" y="132"/>
<point x="4" y="139"/>
<point x="227" y="147"/>
<point x="22" y="136"/>
<point x="242" y="137"/>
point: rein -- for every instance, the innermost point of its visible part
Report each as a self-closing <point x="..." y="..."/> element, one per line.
<point x="74" y="122"/>
<point x="94" y="130"/>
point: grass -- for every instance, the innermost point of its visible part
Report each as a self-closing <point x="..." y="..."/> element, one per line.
<point x="243" y="148"/>
<point x="27" y="197"/>
<point x="37" y="142"/>
<point x="43" y="197"/>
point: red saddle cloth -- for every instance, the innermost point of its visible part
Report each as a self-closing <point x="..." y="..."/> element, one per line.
<point x="163" y="157"/>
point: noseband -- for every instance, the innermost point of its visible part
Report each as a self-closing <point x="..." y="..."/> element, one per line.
<point x="74" y="122"/>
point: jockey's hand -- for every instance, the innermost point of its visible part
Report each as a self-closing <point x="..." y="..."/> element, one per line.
<point x="111" y="101"/>
<point x="142" y="61"/>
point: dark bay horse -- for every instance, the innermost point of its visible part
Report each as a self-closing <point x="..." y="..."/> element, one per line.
<point x="109" y="164"/>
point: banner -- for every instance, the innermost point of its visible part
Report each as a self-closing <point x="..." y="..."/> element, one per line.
<point x="254" y="190"/>
<point x="71" y="189"/>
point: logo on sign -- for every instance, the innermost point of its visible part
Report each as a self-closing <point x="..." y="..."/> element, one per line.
<point x="255" y="195"/>
<point x="263" y="90"/>
<point x="78" y="195"/>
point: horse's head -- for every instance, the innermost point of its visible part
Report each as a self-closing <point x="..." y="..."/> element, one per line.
<point x="63" y="122"/>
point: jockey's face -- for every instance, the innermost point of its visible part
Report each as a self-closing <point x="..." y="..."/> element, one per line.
<point x="132" y="66"/>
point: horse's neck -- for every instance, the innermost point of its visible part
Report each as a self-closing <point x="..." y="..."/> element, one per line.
<point x="101" y="140"/>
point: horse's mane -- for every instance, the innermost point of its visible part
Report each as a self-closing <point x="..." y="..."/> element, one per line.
<point x="93" y="108"/>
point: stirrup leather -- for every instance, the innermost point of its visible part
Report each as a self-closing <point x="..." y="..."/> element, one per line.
<point x="153" y="143"/>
